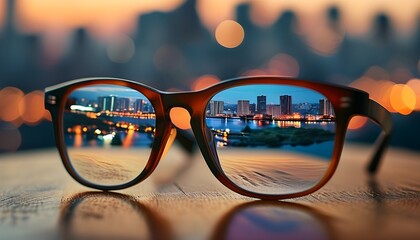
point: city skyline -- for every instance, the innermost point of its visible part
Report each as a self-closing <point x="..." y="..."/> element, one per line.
<point x="272" y="93"/>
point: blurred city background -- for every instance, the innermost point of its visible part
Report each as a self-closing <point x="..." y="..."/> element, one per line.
<point x="178" y="45"/>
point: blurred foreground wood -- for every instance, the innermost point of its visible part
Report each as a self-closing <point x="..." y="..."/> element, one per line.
<point x="182" y="200"/>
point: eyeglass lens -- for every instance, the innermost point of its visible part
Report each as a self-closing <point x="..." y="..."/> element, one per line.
<point x="108" y="132"/>
<point x="272" y="139"/>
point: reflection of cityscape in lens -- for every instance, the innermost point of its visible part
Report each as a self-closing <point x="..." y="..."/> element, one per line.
<point x="249" y="119"/>
<point x="99" y="116"/>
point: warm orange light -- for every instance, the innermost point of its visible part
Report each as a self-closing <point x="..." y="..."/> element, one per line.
<point x="254" y="72"/>
<point x="403" y="99"/>
<point x="104" y="17"/>
<point x="229" y="34"/>
<point x="381" y="91"/>
<point x="204" y="82"/>
<point x="47" y="115"/>
<point x="31" y="107"/>
<point x="78" y="139"/>
<point x="378" y="73"/>
<point x="357" y="122"/>
<point x="415" y="86"/>
<point x="364" y="83"/>
<point x="128" y="141"/>
<point x="10" y="98"/>
<point x="283" y="65"/>
<point x="180" y="117"/>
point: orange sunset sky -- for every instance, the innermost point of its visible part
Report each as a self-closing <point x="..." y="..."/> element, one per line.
<point x="54" y="18"/>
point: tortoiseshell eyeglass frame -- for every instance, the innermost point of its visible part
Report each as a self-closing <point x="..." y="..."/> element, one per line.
<point x="347" y="102"/>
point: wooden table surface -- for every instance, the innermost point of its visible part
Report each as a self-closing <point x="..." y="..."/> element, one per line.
<point x="39" y="200"/>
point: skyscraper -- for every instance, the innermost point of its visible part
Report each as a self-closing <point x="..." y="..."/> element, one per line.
<point x="138" y="105"/>
<point x="286" y="104"/>
<point x="252" y="108"/>
<point x="216" y="107"/>
<point x="107" y="103"/>
<point x="261" y="104"/>
<point x="243" y="107"/>
<point x="123" y="104"/>
<point x="274" y="110"/>
<point x="325" y="107"/>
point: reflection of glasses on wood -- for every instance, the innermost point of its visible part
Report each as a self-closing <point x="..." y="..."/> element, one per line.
<point x="263" y="137"/>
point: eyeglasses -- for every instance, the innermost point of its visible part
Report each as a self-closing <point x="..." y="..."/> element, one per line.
<point x="262" y="137"/>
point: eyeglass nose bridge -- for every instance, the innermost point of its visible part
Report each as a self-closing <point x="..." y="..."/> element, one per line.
<point x="186" y="110"/>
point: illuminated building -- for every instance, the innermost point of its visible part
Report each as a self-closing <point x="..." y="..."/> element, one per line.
<point x="286" y="104"/>
<point x="252" y="108"/>
<point x="107" y="103"/>
<point x="243" y="107"/>
<point x="274" y="110"/>
<point x="216" y="108"/>
<point x="261" y="104"/>
<point x="325" y="108"/>
<point x="138" y="105"/>
<point x="123" y="104"/>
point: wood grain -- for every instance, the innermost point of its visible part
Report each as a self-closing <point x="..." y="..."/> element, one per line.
<point x="182" y="200"/>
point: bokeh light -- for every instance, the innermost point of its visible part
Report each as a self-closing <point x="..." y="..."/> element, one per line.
<point x="180" y="117"/>
<point x="229" y="34"/>
<point x="11" y="137"/>
<point x="381" y="93"/>
<point x="168" y="58"/>
<point x="403" y="99"/>
<point x="254" y="72"/>
<point x="121" y="49"/>
<point x="415" y="86"/>
<point x="378" y="73"/>
<point x="204" y="82"/>
<point x="10" y="98"/>
<point x="357" y="122"/>
<point x="31" y="108"/>
<point x="283" y="65"/>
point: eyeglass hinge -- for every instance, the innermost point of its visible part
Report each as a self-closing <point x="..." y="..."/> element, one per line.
<point x="345" y="102"/>
<point x="51" y="99"/>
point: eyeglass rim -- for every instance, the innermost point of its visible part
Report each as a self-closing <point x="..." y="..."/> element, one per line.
<point x="347" y="102"/>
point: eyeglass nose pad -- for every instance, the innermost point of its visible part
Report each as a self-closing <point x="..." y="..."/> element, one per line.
<point x="170" y="141"/>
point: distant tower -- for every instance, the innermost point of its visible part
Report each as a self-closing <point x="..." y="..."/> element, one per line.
<point x="325" y="108"/>
<point x="261" y="104"/>
<point x="286" y="104"/>
<point x="243" y="107"/>
<point x="216" y="107"/>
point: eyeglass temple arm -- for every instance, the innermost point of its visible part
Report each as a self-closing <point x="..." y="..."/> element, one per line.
<point x="382" y="117"/>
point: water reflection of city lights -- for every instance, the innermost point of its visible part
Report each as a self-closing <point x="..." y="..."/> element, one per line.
<point x="78" y="139"/>
<point x="285" y="124"/>
<point x="128" y="140"/>
<point x="229" y="34"/>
